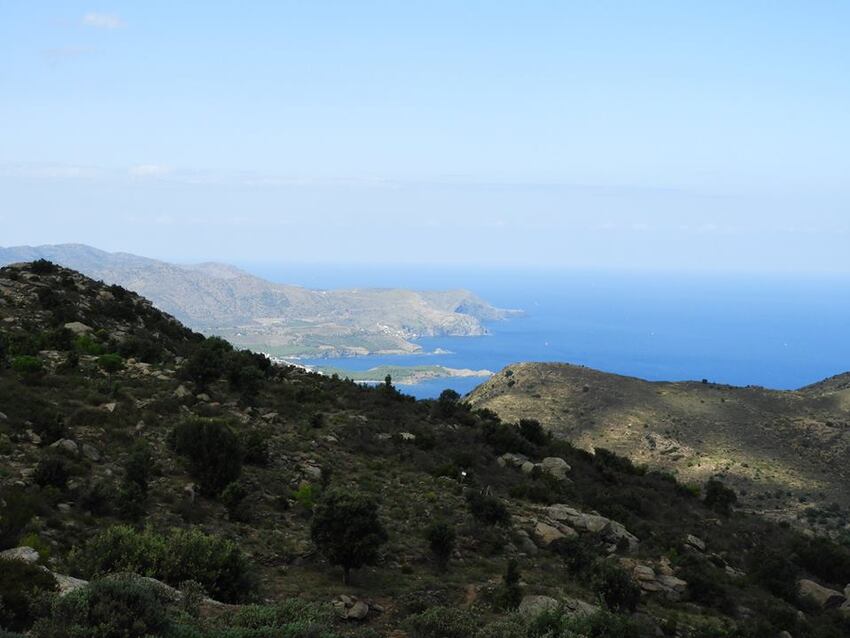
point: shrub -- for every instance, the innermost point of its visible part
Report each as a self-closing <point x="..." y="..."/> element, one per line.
<point x="441" y="540"/>
<point x="87" y="344"/>
<point x="509" y="594"/>
<point x="771" y="569"/>
<point x="52" y="470"/>
<point x="17" y="508"/>
<point x="110" y="363"/>
<point x="256" y="447"/>
<point x="615" y="587"/>
<point x="215" y="562"/>
<point x="27" y="366"/>
<point x="213" y="450"/>
<point x="487" y="509"/>
<point x="578" y="552"/>
<point x="443" y="622"/>
<point x="824" y="558"/>
<point x="98" y="498"/>
<point x="347" y="530"/>
<point x="719" y="497"/>
<point x="140" y="465"/>
<point x="126" y="607"/>
<point x="531" y="430"/>
<point x="233" y="498"/>
<point x="20" y="584"/>
<point x="206" y="363"/>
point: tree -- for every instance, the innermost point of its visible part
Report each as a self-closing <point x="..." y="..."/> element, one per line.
<point x="510" y="593"/>
<point x="347" y="530"/>
<point x="532" y="431"/>
<point x="719" y="497"/>
<point x="441" y="539"/>
<point x="214" y="453"/>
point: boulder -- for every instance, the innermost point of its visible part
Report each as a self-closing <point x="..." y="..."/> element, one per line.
<point x="359" y="610"/>
<point x="511" y="460"/>
<point x="555" y="466"/>
<point x="77" y="328"/>
<point x="66" y="445"/>
<point x="532" y="606"/>
<point x="312" y="472"/>
<point x="826" y="598"/>
<point x="182" y="392"/>
<point x="90" y="452"/>
<point x="527" y="467"/>
<point x="25" y="554"/>
<point x="67" y="584"/>
<point x="407" y="436"/>
<point x="3" y="417"/>
<point x="546" y="534"/>
<point x="525" y="544"/>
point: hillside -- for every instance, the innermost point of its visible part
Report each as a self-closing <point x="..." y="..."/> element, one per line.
<point x="169" y="485"/>
<point x="283" y="320"/>
<point x="784" y="452"/>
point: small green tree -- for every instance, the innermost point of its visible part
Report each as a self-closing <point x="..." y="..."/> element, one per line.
<point x="441" y="539"/>
<point x="347" y="530"/>
<point x="110" y="363"/>
<point x="509" y="594"/>
<point x="214" y="453"/>
<point x="615" y="587"/>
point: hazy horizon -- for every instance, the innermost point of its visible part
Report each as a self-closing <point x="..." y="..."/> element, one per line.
<point x="668" y="137"/>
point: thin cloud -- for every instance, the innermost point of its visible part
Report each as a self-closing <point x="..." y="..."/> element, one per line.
<point x="149" y="170"/>
<point x="66" y="53"/>
<point x="103" y="21"/>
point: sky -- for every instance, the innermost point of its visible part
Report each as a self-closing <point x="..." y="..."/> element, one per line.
<point x="680" y="136"/>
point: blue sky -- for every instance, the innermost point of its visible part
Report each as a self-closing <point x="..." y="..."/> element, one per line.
<point x="641" y="135"/>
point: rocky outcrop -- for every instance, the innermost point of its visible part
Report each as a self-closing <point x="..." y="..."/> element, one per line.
<point x="353" y="608"/>
<point x="612" y="531"/>
<point x="824" y="597"/>
<point x="551" y="465"/>
<point x="532" y="606"/>
<point x="658" y="578"/>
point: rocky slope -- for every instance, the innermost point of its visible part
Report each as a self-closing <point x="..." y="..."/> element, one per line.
<point x="98" y="477"/>
<point x="785" y="452"/>
<point x="284" y="320"/>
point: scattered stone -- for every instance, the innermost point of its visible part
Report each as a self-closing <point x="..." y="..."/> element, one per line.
<point x="407" y="436"/>
<point x="826" y="598"/>
<point x="3" y="417"/>
<point x="90" y="452"/>
<point x="181" y="392"/>
<point x="110" y="407"/>
<point x="65" y="508"/>
<point x="67" y="445"/>
<point x="314" y="473"/>
<point x="527" y="467"/>
<point x="67" y="584"/>
<point x="203" y="396"/>
<point x="695" y="542"/>
<point x="34" y="438"/>
<point x="271" y="416"/>
<point x="25" y="554"/>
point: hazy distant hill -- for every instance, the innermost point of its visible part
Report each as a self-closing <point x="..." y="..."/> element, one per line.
<point x="782" y="450"/>
<point x="281" y="319"/>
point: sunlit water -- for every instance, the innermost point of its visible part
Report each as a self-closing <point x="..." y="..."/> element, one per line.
<point x="771" y="331"/>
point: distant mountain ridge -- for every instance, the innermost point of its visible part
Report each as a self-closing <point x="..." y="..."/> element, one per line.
<point x="281" y="319"/>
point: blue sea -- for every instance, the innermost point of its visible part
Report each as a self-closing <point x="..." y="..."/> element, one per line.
<point x="775" y="331"/>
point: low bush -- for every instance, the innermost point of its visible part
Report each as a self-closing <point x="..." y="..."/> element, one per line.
<point x="487" y="509"/>
<point x="615" y="587"/>
<point x="180" y="555"/>
<point x="443" y="622"/>
<point x="27" y="366"/>
<point x="719" y="497"/>
<point x="110" y="363"/>
<point x="21" y="584"/>
<point x="126" y="607"/>
<point x="17" y="507"/>
<point x="52" y="470"/>
<point x="441" y="539"/>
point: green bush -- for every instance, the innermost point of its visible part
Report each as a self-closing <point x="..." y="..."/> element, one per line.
<point x="579" y="552"/>
<point x="110" y="363"/>
<point x="233" y="498"/>
<point x="441" y="539"/>
<point x="140" y="465"/>
<point x="27" y="366"/>
<point x="487" y="509"/>
<point x="43" y="267"/>
<point x="531" y="430"/>
<point x="347" y="530"/>
<point x="20" y="584"/>
<point x="207" y="362"/>
<point x="180" y="555"/>
<point x="213" y="451"/>
<point x="17" y="507"/>
<point x="86" y="344"/>
<point x="719" y="497"/>
<point x="615" y="587"/>
<point x="52" y="470"/>
<point x="509" y="593"/>
<point x="256" y="447"/>
<point x="443" y="622"/>
<point x="126" y="607"/>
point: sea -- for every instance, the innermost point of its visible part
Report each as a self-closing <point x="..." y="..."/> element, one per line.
<point x="776" y="331"/>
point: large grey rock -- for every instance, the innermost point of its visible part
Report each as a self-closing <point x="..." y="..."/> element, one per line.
<point x="546" y="534"/>
<point x="67" y="584"/>
<point x="90" y="452"/>
<point x="555" y="466"/>
<point x="77" y="328"/>
<point x="695" y="542"/>
<point x="826" y="598"/>
<point x="67" y="445"/>
<point x="532" y="606"/>
<point x="25" y="554"/>
<point x="358" y="611"/>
